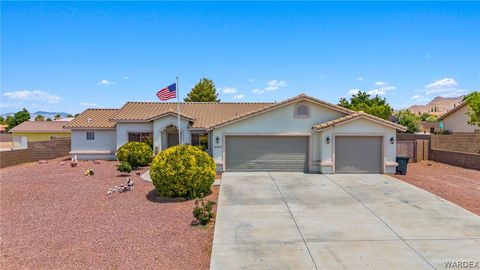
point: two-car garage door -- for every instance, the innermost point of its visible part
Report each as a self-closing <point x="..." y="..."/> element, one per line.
<point x="266" y="153"/>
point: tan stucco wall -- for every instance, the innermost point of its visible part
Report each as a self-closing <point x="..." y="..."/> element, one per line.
<point x="279" y="121"/>
<point x="458" y="121"/>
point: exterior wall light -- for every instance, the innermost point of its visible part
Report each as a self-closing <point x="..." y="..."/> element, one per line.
<point x="328" y="139"/>
<point x="392" y="140"/>
<point x="217" y="140"/>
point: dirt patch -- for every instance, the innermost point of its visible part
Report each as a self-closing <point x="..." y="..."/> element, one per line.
<point x="458" y="185"/>
<point x="54" y="217"/>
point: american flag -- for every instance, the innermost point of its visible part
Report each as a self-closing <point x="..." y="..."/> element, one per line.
<point x="168" y="92"/>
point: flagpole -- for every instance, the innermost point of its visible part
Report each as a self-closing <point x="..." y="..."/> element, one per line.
<point x="178" y="110"/>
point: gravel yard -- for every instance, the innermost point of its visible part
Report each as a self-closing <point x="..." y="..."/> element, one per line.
<point x="54" y="217"/>
<point x="458" y="185"/>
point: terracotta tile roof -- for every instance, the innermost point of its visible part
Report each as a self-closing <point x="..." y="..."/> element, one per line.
<point x="40" y="126"/>
<point x="300" y="97"/>
<point x="202" y="114"/>
<point x="93" y="118"/>
<point x="355" y="115"/>
<point x="456" y="108"/>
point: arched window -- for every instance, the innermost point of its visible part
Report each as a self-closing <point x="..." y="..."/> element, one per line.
<point x="302" y="111"/>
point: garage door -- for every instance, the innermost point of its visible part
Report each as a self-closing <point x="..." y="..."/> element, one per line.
<point x="358" y="154"/>
<point x="266" y="153"/>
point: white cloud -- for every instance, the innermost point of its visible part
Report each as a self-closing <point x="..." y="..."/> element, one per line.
<point x="353" y="91"/>
<point x="375" y="92"/>
<point x="446" y="87"/>
<point x="88" y="104"/>
<point x="275" y="85"/>
<point x="360" y="79"/>
<point x="442" y="84"/>
<point x="251" y="80"/>
<point x="35" y="95"/>
<point x="126" y="78"/>
<point x="382" y="88"/>
<point x="239" y="96"/>
<point x="229" y="90"/>
<point x="258" y="91"/>
<point x="105" y="82"/>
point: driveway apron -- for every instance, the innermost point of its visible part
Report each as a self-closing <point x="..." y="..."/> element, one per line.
<point x="282" y="220"/>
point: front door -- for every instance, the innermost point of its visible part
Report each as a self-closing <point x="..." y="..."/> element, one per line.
<point x="172" y="139"/>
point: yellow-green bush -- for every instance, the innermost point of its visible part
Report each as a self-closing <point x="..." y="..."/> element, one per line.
<point x="135" y="153"/>
<point x="183" y="171"/>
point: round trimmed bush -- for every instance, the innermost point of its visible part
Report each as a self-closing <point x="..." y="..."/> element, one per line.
<point x="183" y="171"/>
<point x="137" y="154"/>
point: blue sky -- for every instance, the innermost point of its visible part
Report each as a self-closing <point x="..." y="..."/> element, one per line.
<point x="69" y="56"/>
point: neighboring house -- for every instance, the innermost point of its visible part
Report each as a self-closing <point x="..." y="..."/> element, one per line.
<point x="456" y="120"/>
<point x="34" y="131"/>
<point x="298" y="134"/>
<point x="425" y="127"/>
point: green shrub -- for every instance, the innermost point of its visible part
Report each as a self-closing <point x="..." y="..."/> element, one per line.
<point x="135" y="153"/>
<point x="124" y="167"/>
<point x="203" y="212"/>
<point x="183" y="171"/>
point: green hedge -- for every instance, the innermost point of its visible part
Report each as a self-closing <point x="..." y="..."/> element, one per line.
<point x="183" y="171"/>
<point x="137" y="154"/>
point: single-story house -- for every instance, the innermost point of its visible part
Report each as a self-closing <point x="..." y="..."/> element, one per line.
<point x="456" y="120"/>
<point x="34" y="131"/>
<point x="297" y="134"/>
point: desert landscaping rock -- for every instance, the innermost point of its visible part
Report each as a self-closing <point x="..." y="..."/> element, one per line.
<point x="458" y="185"/>
<point x="55" y="218"/>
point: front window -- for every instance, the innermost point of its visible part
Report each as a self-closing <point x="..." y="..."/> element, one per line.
<point x="146" y="137"/>
<point x="200" y="139"/>
<point x="90" y="136"/>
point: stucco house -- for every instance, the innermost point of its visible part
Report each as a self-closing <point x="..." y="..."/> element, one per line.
<point x="34" y="131"/>
<point x="297" y="134"/>
<point x="456" y="120"/>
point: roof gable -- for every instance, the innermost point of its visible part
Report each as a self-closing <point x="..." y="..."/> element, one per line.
<point x="299" y="98"/>
<point x="452" y="111"/>
<point x="356" y="116"/>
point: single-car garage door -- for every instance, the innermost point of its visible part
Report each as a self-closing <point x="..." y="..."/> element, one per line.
<point x="358" y="154"/>
<point x="266" y="153"/>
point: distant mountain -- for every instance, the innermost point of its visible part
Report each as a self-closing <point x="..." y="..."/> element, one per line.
<point x="44" y="113"/>
<point x="437" y="106"/>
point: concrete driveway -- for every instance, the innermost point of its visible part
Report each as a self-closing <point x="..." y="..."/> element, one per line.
<point x="311" y="221"/>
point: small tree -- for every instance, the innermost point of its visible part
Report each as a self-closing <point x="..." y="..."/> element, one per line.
<point x="69" y="115"/>
<point x="124" y="167"/>
<point x="2" y="121"/>
<point x="57" y="116"/>
<point x="39" y="118"/>
<point x="49" y="120"/>
<point x="363" y="102"/>
<point x="203" y="91"/>
<point x="409" y="120"/>
<point x="473" y="102"/>
<point x="18" y="118"/>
